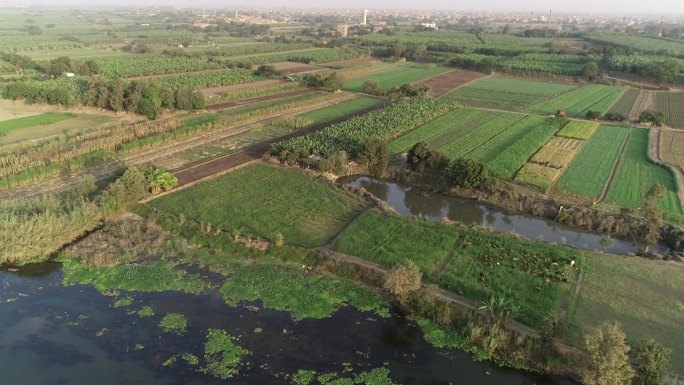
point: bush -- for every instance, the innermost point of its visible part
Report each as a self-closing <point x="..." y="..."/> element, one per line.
<point x="607" y="359"/>
<point x="421" y="157"/>
<point x="593" y="115"/>
<point x="375" y="155"/>
<point x="653" y="117"/>
<point x="467" y="173"/>
<point x="336" y="164"/>
<point x="654" y="360"/>
<point x="614" y="116"/>
<point x="403" y="280"/>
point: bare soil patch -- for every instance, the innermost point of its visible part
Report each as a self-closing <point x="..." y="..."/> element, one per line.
<point x="645" y="101"/>
<point x="352" y="63"/>
<point x="295" y="68"/>
<point x="441" y="84"/>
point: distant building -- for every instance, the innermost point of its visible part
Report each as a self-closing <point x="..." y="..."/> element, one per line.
<point x="429" y="25"/>
<point x="365" y="17"/>
<point x="342" y="30"/>
<point x="69" y="74"/>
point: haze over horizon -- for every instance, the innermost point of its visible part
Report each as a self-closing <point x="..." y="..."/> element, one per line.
<point x="664" y="7"/>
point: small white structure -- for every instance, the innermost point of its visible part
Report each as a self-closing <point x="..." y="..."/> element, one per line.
<point x="429" y="25"/>
<point x="69" y="74"/>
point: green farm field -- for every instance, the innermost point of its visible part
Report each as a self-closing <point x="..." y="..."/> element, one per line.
<point x="396" y="78"/>
<point x="32" y="121"/>
<point x="576" y="103"/>
<point x="466" y="261"/>
<point x="260" y="200"/>
<point x="342" y="109"/>
<point x="503" y="141"/>
<point x="637" y="174"/>
<point x="505" y="93"/>
<point x="646" y="297"/>
<point x="590" y="171"/>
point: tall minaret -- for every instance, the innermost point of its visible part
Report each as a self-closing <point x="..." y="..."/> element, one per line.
<point x="549" y="19"/>
<point x="529" y="26"/>
<point x="365" y="17"/>
<point x="236" y="15"/>
<point x="660" y="31"/>
<point x="204" y="13"/>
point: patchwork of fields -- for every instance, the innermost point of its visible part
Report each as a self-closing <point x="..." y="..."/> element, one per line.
<point x="504" y="141"/>
<point x="578" y="102"/>
<point x="467" y="261"/>
<point x="504" y="93"/>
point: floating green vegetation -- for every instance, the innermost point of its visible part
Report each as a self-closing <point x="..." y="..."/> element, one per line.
<point x="190" y="359"/>
<point x="223" y="358"/>
<point x="146" y="277"/>
<point x="122" y="302"/>
<point x="258" y="330"/>
<point x="302" y="295"/>
<point x="146" y="311"/>
<point x="139" y="347"/>
<point x="174" y="322"/>
<point x="377" y="376"/>
<point x="101" y="332"/>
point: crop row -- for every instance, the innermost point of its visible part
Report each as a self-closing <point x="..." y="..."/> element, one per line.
<point x="672" y="107"/>
<point x="322" y="55"/>
<point x="626" y="103"/>
<point x="145" y="65"/>
<point x="589" y="172"/>
<point x="387" y="124"/>
<point x="538" y="175"/>
<point x="576" y="103"/>
<point x="505" y="93"/>
<point x="253" y="49"/>
<point x="205" y="79"/>
<point x="450" y="122"/>
<point x="637" y="174"/>
<point x="579" y="129"/>
<point x="557" y="152"/>
<point x="506" y="153"/>
<point x="642" y="43"/>
<point x="254" y="92"/>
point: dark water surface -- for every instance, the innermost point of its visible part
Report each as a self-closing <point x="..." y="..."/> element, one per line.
<point x="55" y="335"/>
<point x="411" y="201"/>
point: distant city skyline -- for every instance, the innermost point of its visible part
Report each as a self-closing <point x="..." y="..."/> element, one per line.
<point x="657" y="7"/>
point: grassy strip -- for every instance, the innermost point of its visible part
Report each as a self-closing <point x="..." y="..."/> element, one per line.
<point x="32" y="121"/>
<point x="300" y="294"/>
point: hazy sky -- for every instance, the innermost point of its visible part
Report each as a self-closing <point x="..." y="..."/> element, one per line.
<point x="665" y="7"/>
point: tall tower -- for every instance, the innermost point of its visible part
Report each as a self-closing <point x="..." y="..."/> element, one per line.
<point x="236" y="15"/>
<point x="365" y="17"/>
<point x="529" y="25"/>
<point x="549" y="19"/>
<point x="660" y="30"/>
<point x="204" y="13"/>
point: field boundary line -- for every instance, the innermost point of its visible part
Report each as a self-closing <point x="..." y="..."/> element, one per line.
<point x="464" y="84"/>
<point x="497" y="134"/>
<point x="616" y="165"/>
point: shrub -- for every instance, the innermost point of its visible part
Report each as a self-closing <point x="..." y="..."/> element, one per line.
<point x="467" y="173"/>
<point x="607" y="360"/>
<point x="593" y="115"/>
<point x="614" y="116"/>
<point x="403" y="280"/>
<point x="375" y="155"/>
<point x="654" y="360"/>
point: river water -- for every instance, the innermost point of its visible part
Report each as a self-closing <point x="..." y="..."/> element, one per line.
<point x="56" y="335"/>
<point x="411" y="201"/>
